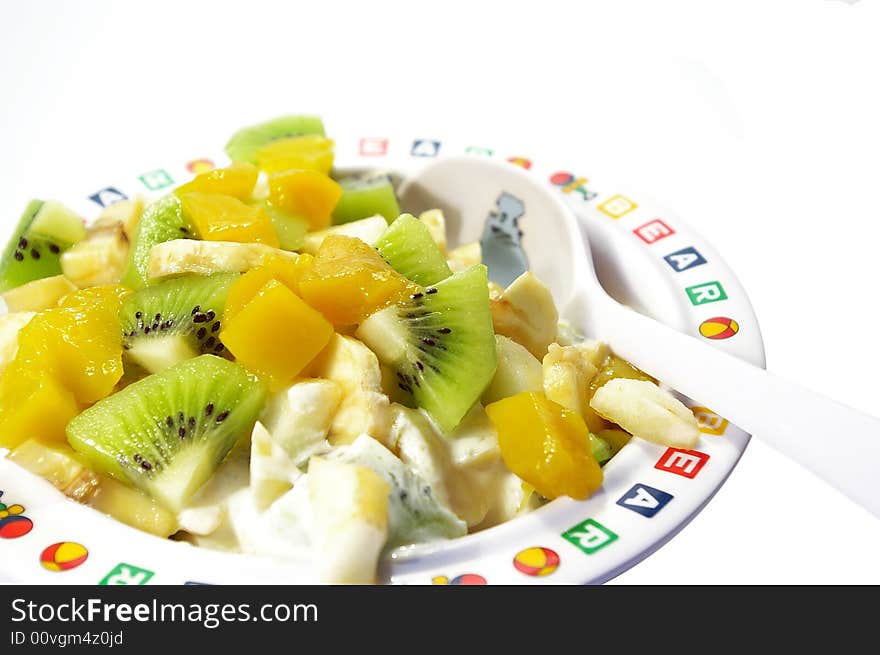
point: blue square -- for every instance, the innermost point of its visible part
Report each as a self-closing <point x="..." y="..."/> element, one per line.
<point x="107" y="196"/>
<point x="425" y="148"/>
<point x="644" y="500"/>
<point x="682" y="260"/>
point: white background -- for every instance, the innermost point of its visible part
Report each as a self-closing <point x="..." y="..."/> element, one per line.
<point x="758" y="122"/>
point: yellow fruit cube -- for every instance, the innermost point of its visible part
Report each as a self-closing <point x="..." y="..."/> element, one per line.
<point x="39" y="294"/>
<point x="546" y="445"/>
<point x="302" y="192"/>
<point x="224" y="218"/>
<point x="348" y="281"/>
<point x="248" y="285"/>
<point x="34" y="408"/>
<point x="312" y="152"/>
<point x="276" y="334"/>
<point x="238" y="180"/>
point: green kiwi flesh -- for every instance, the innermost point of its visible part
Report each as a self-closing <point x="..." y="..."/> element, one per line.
<point x="174" y="320"/>
<point x="440" y="344"/>
<point x="408" y="247"/>
<point x="245" y="143"/>
<point x="168" y="433"/>
<point x="364" y="196"/>
<point x="44" y="231"/>
<point x="163" y="220"/>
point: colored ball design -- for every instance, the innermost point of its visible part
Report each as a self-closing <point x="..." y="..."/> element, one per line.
<point x="536" y="561"/>
<point x="13" y="527"/>
<point x="719" y="327"/>
<point x="468" y="579"/>
<point x="198" y="166"/>
<point x="521" y="162"/>
<point x="562" y="178"/>
<point x="63" y="556"/>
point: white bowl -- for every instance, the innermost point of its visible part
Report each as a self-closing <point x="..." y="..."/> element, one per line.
<point x="646" y="257"/>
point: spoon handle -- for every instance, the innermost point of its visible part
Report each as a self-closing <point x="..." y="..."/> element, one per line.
<point x="837" y="443"/>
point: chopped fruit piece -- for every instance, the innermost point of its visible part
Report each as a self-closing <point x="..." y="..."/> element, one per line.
<point x="244" y="144"/>
<point x="546" y="445"/>
<point x="248" y="285"/>
<point x="161" y="221"/>
<point x="10" y="326"/>
<point x="600" y="448"/>
<point x="44" y="231"/>
<point x="272" y="472"/>
<point x="35" y="406"/>
<point x="299" y="417"/>
<point x="350" y="520"/>
<point x="647" y="411"/>
<point x="61" y="466"/>
<point x="366" y="195"/>
<point x="567" y="373"/>
<point x="174" y="320"/>
<point x="124" y="212"/>
<point x="291" y="230"/>
<point x="98" y="259"/>
<point x="276" y="334"/>
<point x="436" y="224"/>
<point x="364" y="409"/>
<point x="518" y="370"/>
<point x="66" y="355"/>
<point x="168" y="433"/>
<point x="465" y="256"/>
<point x="408" y="247"/>
<point x="182" y="256"/>
<point x="440" y="343"/>
<point x="348" y="281"/>
<point x="237" y="180"/>
<point x="367" y="230"/>
<point x="310" y="151"/>
<point x="37" y="295"/>
<point x="223" y="218"/>
<point x="527" y="314"/>
<point x="305" y="193"/>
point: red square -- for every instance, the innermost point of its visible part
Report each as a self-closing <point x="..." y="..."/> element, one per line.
<point x="373" y="147"/>
<point x="653" y="231"/>
<point x="686" y="463"/>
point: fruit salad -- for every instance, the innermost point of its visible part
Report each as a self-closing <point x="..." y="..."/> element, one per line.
<point x="274" y="359"/>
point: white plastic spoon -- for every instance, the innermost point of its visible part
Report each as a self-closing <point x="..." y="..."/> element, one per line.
<point x="837" y="443"/>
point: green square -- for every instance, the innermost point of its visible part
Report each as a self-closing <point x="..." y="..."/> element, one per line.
<point x="126" y="574"/>
<point x="157" y="179"/>
<point x="589" y="536"/>
<point x="701" y="294"/>
<point x="479" y="150"/>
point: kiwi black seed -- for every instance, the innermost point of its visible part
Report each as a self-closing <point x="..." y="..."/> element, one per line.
<point x="177" y="310"/>
<point x="132" y="435"/>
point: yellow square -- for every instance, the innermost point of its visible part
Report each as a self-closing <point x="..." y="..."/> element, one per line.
<point x="709" y="422"/>
<point x="617" y="206"/>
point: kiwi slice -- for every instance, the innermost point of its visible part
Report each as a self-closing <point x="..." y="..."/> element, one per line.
<point x="440" y="344"/>
<point x="44" y="231"/>
<point x="174" y="320"/>
<point x="168" y="433"/>
<point x="161" y="221"/>
<point x="407" y="245"/>
<point x="366" y="195"/>
<point x="245" y="143"/>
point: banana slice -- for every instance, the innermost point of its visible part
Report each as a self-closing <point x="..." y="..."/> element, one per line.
<point x="272" y="471"/>
<point x="125" y="212"/>
<point x="100" y="258"/>
<point x="349" y="520"/>
<point x="527" y="314"/>
<point x="465" y="256"/>
<point x="299" y="417"/>
<point x="39" y="294"/>
<point x="364" y="408"/>
<point x="518" y="370"/>
<point x="647" y="411"/>
<point x="567" y="374"/>
<point x="366" y="229"/>
<point x="181" y="256"/>
<point x="436" y="224"/>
